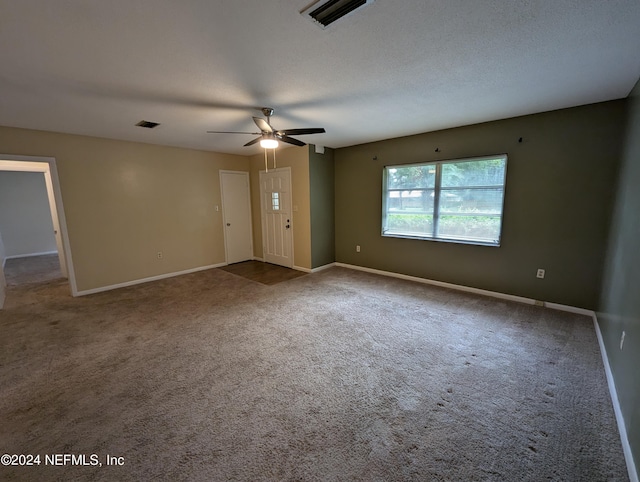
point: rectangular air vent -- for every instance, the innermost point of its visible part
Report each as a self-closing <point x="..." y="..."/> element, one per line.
<point x="324" y="13"/>
<point x="147" y="124"/>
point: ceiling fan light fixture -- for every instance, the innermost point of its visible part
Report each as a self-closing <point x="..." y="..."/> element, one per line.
<point x="325" y="12"/>
<point x="268" y="137"/>
<point x="268" y="143"/>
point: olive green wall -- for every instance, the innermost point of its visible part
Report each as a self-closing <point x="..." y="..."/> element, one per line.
<point x="620" y="307"/>
<point x="322" y="192"/>
<point x="558" y="199"/>
<point x="125" y="201"/>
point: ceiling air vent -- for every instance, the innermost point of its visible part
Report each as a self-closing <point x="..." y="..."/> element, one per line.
<point x="147" y="124"/>
<point x="326" y="12"/>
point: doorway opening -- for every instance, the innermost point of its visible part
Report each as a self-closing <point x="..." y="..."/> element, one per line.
<point x="46" y="166"/>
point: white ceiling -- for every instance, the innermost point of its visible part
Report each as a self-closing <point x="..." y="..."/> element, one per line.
<point x="393" y="68"/>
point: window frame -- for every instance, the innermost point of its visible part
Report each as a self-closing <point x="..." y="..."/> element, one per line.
<point x="437" y="193"/>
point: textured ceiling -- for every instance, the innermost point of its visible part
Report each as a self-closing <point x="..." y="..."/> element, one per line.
<point x="393" y="68"/>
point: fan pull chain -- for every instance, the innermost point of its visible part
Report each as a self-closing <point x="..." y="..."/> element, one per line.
<point x="266" y="167"/>
<point x="274" y="159"/>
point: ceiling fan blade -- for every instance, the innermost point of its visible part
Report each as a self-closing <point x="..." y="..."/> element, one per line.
<point x="252" y="142"/>
<point x="291" y="140"/>
<point x="234" y="132"/>
<point x="262" y="124"/>
<point x="300" y="132"/>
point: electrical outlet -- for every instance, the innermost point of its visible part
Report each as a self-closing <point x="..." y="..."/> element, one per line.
<point x="357" y="248"/>
<point x="622" y="340"/>
<point x="540" y="273"/>
<point x="159" y="254"/>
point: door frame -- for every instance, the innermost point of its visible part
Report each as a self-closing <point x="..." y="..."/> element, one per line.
<point x="47" y="165"/>
<point x="263" y="211"/>
<point x="224" y="221"/>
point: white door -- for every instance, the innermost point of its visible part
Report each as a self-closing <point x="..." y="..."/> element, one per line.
<point x="277" y="226"/>
<point x="236" y="215"/>
<point x="56" y="223"/>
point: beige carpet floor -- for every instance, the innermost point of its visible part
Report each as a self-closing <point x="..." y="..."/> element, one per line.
<point x="338" y="376"/>
<point x="33" y="269"/>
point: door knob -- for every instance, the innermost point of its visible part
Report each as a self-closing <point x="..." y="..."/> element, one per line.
<point x="228" y="224"/>
<point x="287" y="226"/>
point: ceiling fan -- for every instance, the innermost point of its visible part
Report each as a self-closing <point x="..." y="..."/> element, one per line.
<point x="269" y="137"/>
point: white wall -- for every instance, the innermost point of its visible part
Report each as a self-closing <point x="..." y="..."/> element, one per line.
<point x="25" y="217"/>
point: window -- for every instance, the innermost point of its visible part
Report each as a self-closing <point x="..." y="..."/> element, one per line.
<point x="275" y="201"/>
<point x="459" y="201"/>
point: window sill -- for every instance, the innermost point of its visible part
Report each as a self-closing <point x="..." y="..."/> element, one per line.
<point x="442" y="240"/>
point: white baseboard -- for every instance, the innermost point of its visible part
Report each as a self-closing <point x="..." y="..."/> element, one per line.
<point x="570" y="309"/>
<point x="323" y="267"/>
<point x="255" y="258"/>
<point x="314" y="270"/>
<point x="469" y="289"/>
<point x="626" y="447"/>
<point x="146" y="280"/>
<point x="30" y="255"/>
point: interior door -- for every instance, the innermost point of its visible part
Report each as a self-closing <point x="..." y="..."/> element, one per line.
<point x="277" y="226"/>
<point x="56" y="224"/>
<point x="236" y="215"/>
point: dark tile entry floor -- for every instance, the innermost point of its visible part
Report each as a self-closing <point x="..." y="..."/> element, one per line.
<point x="265" y="273"/>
